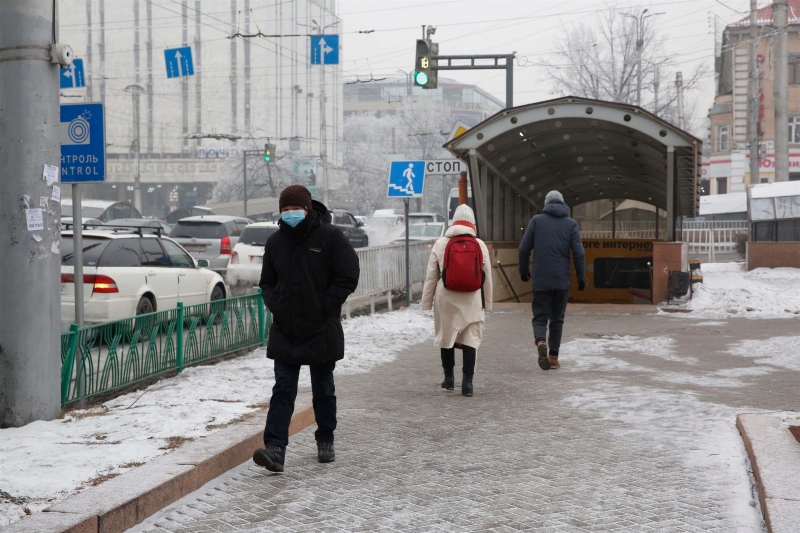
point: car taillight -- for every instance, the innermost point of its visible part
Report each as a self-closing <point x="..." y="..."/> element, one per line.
<point x="104" y="284"/>
<point x="225" y="246"/>
<point x="234" y="258"/>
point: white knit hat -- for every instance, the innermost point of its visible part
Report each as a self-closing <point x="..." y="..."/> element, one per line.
<point x="553" y="196"/>
<point x="464" y="212"/>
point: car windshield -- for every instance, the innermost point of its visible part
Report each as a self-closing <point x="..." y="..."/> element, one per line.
<point x="381" y="222"/>
<point x="87" y="212"/>
<point x="199" y="230"/>
<point x="424" y="230"/>
<point x="256" y="236"/>
<point x="92" y="248"/>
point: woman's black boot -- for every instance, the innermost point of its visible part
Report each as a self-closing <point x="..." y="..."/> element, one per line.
<point x="449" y="382"/>
<point x="466" y="383"/>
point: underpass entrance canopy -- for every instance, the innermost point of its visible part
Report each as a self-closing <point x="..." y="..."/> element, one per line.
<point x="586" y="149"/>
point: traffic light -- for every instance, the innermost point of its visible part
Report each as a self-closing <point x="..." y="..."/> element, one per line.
<point x="269" y="152"/>
<point x="424" y="75"/>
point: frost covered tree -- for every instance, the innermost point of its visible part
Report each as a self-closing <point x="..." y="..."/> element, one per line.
<point x="599" y="61"/>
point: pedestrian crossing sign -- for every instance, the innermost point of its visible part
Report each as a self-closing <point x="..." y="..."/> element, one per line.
<point x="406" y="179"/>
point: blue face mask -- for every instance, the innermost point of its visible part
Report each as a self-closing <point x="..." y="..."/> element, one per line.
<point x="293" y="218"/>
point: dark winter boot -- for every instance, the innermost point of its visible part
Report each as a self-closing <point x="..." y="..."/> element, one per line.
<point x="466" y="384"/>
<point x="325" y="453"/>
<point x="449" y="382"/>
<point x="544" y="361"/>
<point x="271" y="458"/>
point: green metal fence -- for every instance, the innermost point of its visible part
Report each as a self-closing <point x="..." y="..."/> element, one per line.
<point x="104" y="357"/>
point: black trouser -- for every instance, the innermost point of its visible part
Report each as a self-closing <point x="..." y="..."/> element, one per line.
<point x="284" y="393"/>
<point x="549" y="306"/>
<point x="449" y="360"/>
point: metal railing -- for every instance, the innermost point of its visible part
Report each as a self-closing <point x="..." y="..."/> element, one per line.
<point x="383" y="268"/>
<point x="102" y="358"/>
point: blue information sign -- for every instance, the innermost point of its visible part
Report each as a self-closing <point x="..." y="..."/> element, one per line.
<point x="324" y="49"/>
<point x="406" y="179"/>
<point x="179" y="62"/>
<point x="83" y="143"/>
<point x="73" y="77"/>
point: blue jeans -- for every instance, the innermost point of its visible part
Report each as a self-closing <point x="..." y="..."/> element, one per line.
<point x="284" y="393"/>
<point x="549" y="306"/>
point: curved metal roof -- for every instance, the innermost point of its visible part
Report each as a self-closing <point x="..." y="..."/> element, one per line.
<point x="588" y="150"/>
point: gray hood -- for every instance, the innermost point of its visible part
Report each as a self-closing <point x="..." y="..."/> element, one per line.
<point x="557" y="209"/>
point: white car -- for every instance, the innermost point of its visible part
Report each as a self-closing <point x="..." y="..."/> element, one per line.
<point x="385" y="229"/>
<point x="125" y="274"/>
<point x="422" y="232"/>
<point x="244" y="268"/>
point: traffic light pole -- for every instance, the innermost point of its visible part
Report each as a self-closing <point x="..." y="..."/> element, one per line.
<point x="508" y="66"/>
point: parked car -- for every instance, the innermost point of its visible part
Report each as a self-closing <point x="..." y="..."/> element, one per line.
<point x="100" y="209"/>
<point x="152" y="225"/>
<point x="422" y="232"/>
<point x="185" y="212"/>
<point x="385" y="229"/>
<point x="127" y="274"/>
<point x="364" y="223"/>
<point x="87" y="223"/>
<point x="244" y="269"/>
<point x="387" y="213"/>
<point x="350" y="227"/>
<point x="210" y="237"/>
<point x="421" y="218"/>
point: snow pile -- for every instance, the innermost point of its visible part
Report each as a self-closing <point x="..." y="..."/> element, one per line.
<point x="594" y="351"/>
<point x="728" y="291"/>
<point x="781" y="352"/>
<point x="44" y="462"/>
<point x="703" y="434"/>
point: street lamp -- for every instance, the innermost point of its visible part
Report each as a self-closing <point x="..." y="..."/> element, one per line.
<point x="408" y="80"/>
<point x="639" y="45"/>
<point x="135" y="91"/>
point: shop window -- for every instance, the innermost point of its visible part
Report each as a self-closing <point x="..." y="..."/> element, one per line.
<point x="622" y="273"/>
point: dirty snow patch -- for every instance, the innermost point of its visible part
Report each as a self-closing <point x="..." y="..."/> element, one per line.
<point x="783" y="352"/>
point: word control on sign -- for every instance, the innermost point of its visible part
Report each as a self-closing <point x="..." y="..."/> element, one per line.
<point x="406" y="179"/>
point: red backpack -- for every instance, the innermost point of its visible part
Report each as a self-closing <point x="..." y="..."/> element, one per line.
<point x="463" y="264"/>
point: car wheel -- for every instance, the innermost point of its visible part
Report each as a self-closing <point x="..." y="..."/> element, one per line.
<point x="145" y="306"/>
<point x="218" y="308"/>
<point x="144" y="325"/>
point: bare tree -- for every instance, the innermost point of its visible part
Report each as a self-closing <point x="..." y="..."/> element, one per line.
<point x="599" y="61"/>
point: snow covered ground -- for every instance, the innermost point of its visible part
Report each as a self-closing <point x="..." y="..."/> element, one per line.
<point x="729" y="291"/>
<point x="44" y="462"/>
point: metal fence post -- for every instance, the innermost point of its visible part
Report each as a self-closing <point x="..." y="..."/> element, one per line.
<point x="179" y="330"/>
<point x="68" y="364"/>
<point x="262" y="326"/>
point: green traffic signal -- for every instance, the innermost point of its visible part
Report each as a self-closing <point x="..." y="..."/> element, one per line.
<point x="420" y="78"/>
<point x="267" y="158"/>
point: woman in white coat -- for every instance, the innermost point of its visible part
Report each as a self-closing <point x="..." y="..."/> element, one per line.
<point x="458" y="316"/>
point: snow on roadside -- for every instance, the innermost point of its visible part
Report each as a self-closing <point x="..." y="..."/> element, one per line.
<point x="783" y="352"/>
<point x="704" y="433"/>
<point x="587" y="352"/>
<point x="728" y="291"/>
<point x="44" y="462"/>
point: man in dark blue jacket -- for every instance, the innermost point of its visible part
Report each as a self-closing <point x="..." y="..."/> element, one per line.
<point x="551" y="235"/>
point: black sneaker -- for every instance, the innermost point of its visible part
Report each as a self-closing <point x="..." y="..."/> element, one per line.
<point x="325" y="453"/>
<point x="449" y="382"/>
<point x="544" y="361"/>
<point x="271" y="458"/>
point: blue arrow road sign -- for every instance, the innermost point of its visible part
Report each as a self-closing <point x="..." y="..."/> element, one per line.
<point x="73" y="76"/>
<point x="324" y="49"/>
<point x="179" y="62"/>
<point x="83" y="143"/>
<point x="406" y="179"/>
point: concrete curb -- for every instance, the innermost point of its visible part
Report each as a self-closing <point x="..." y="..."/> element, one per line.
<point x="775" y="456"/>
<point x="121" y="503"/>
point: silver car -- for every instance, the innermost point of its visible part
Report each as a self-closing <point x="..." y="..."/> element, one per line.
<point x="210" y="237"/>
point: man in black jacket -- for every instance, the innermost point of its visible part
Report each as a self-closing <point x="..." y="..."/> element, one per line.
<point x="551" y="235"/>
<point x="309" y="270"/>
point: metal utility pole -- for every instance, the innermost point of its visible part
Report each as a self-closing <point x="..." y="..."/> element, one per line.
<point x="30" y="344"/>
<point x="781" y="90"/>
<point x="656" y="85"/>
<point x="408" y="260"/>
<point x="135" y="91"/>
<point x="754" y="92"/>
<point x="639" y="47"/>
<point x="679" y="87"/>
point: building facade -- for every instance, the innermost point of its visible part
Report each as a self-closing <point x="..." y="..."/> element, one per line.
<point x="246" y="91"/>
<point x="461" y="101"/>
<point x="727" y="168"/>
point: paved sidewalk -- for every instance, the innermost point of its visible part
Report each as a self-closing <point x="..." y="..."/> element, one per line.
<point x="632" y="434"/>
